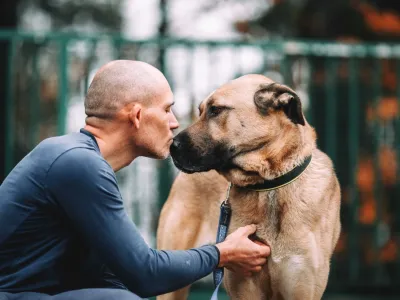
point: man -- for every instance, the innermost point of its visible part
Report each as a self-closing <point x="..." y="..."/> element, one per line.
<point x="63" y="228"/>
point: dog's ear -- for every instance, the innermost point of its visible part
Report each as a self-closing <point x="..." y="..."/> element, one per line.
<point x="278" y="96"/>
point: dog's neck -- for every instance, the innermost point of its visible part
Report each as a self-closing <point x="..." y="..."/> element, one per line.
<point x="285" y="179"/>
<point x="273" y="160"/>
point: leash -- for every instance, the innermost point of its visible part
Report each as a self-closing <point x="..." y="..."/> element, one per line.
<point x="223" y="225"/>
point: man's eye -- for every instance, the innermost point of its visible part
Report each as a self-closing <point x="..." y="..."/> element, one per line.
<point x="214" y="111"/>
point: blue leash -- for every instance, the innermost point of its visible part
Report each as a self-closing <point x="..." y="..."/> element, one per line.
<point x="223" y="224"/>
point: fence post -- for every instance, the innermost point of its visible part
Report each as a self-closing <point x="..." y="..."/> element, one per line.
<point x="34" y="102"/>
<point x="331" y="104"/>
<point x="62" y="87"/>
<point x="10" y="111"/>
<point x="353" y="144"/>
<point x="377" y="190"/>
<point x="165" y="175"/>
<point x="397" y="146"/>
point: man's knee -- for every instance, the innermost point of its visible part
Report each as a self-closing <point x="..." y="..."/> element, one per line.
<point x="119" y="295"/>
<point x="97" y="294"/>
<point x="23" y="296"/>
<point x="124" y="295"/>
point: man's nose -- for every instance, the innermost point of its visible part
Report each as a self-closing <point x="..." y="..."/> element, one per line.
<point x="173" y="124"/>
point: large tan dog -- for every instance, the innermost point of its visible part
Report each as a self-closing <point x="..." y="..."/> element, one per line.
<point x="250" y="132"/>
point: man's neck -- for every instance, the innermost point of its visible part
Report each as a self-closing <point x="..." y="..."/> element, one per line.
<point x="115" y="150"/>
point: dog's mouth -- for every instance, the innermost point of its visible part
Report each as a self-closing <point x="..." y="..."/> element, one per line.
<point x="222" y="162"/>
<point x="189" y="168"/>
<point x="190" y="158"/>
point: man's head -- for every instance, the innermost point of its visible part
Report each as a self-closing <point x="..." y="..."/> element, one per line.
<point x="133" y="99"/>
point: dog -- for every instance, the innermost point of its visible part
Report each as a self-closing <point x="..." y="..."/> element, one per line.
<point x="252" y="133"/>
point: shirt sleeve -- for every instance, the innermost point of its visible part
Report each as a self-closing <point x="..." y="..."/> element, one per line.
<point x="85" y="186"/>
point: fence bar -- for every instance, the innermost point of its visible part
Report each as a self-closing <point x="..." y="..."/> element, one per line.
<point x="10" y="110"/>
<point x="397" y="146"/>
<point x="34" y="108"/>
<point x="291" y="47"/>
<point x="353" y="144"/>
<point x="190" y="84"/>
<point x="89" y="65"/>
<point x="331" y="115"/>
<point x="310" y="89"/>
<point x="62" y="88"/>
<point x="117" y="49"/>
<point x="377" y="190"/>
<point x="164" y="176"/>
<point x="285" y="64"/>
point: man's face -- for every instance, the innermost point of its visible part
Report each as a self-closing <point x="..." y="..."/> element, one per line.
<point x="157" y="124"/>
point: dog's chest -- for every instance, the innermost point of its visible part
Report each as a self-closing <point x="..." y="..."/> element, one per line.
<point x="263" y="209"/>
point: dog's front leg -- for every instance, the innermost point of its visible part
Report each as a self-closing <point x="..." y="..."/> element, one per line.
<point x="239" y="287"/>
<point x="295" y="278"/>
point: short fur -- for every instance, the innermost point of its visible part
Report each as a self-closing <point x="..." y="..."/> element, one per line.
<point x="252" y="129"/>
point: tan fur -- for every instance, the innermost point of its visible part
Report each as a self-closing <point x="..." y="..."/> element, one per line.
<point x="299" y="221"/>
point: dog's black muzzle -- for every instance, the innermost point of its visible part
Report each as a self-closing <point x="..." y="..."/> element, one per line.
<point x="191" y="158"/>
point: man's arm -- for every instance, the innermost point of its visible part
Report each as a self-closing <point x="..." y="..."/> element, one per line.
<point x="85" y="187"/>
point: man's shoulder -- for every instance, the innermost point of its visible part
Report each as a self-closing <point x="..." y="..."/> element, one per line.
<point x="70" y="149"/>
<point x="74" y="153"/>
<point x="76" y="164"/>
<point x="65" y="142"/>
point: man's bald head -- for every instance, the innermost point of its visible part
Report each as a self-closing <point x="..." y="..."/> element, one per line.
<point x="121" y="82"/>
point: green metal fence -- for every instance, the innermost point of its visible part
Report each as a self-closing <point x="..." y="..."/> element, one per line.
<point x="350" y="92"/>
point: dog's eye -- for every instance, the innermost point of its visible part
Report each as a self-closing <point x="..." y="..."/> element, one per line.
<point x="214" y="111"/>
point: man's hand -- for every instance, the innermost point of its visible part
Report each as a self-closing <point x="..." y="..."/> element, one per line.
<point x="239" y="254"/>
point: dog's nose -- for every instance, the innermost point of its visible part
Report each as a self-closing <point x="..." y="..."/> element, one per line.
<point x="176" y="143"/>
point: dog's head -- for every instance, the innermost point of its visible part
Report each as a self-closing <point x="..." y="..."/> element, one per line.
<point x="248" y="129"/>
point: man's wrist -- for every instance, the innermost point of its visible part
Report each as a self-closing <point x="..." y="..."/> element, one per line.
<point x="223" y="254"/>
<point x="218" y="254"/>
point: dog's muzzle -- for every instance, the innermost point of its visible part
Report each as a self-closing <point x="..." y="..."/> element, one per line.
<point x="191" y="158"/>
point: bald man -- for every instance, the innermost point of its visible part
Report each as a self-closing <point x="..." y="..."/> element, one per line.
<point x="64" y="233"/>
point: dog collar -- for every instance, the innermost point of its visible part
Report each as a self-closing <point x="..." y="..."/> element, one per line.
<point x="281" y="181"/>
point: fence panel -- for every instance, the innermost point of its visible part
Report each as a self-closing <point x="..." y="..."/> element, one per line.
<point x="350" y="95"/>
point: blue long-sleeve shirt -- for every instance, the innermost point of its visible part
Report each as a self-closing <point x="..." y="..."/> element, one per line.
<point x="63" y="226"/>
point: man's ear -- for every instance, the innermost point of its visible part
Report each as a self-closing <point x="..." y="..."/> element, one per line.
<point x="277" y="96"/>
<point x="135" y="115"/>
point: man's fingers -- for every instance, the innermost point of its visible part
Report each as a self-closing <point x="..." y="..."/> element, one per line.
<point x="264" y="250"/>
<point x="247" y="230"/>
<point x="256" y="269"/>
<point x="259" y="261"/>
<point x="259" y="243"/>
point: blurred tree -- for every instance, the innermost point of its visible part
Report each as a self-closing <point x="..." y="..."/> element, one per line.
<point x="105" y="15"/>
<point x="339" y="19"/>
<point x="75" y="16"/>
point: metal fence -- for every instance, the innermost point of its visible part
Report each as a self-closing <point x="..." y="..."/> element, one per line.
<point x="350" y="93"/>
